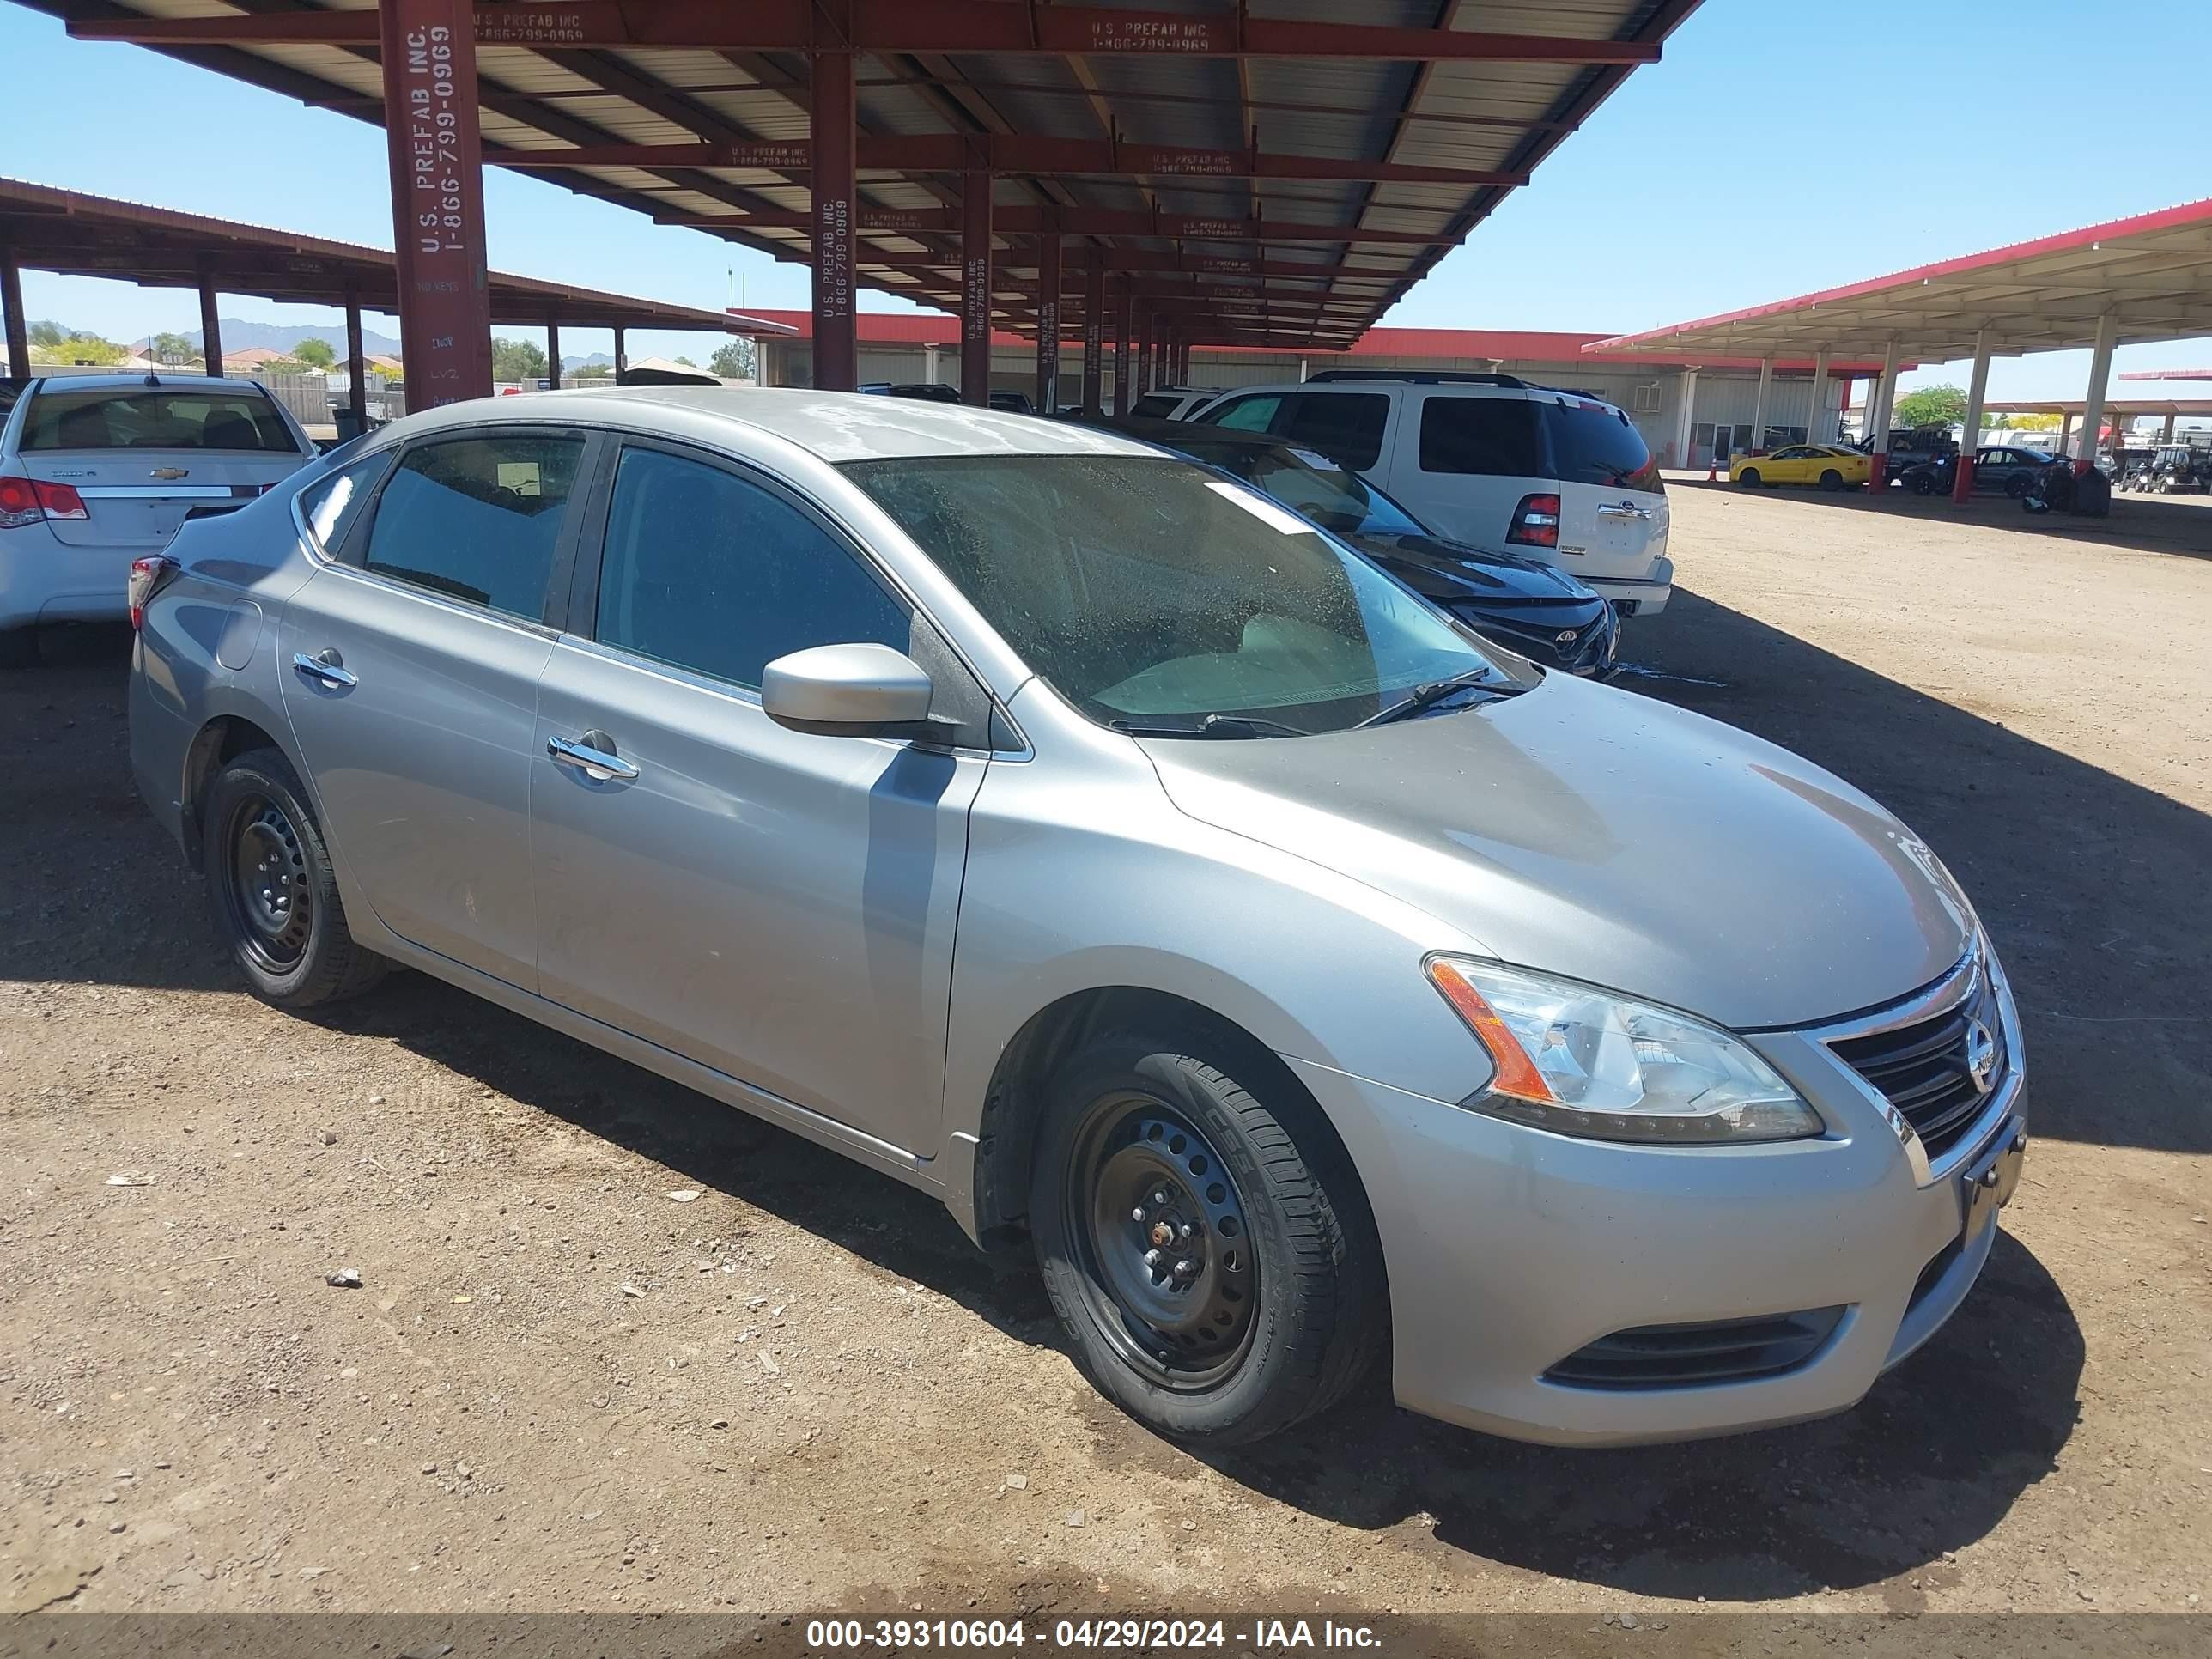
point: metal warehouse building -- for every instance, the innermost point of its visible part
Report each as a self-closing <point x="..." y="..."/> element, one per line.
<point x="1680" y="407"/>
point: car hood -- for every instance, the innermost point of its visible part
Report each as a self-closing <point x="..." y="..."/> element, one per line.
<point x="1603" y="836"/>
<point x="1434" y="565"/>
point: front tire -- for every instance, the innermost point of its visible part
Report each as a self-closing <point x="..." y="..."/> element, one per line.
<point x="270" y="885"/>
<point x="1831" y="479"/>
<point x="1748" y="479"/>
<point x="1203" y="1237"/>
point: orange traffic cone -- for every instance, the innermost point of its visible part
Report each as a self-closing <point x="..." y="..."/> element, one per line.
<point x="1713" y="468"/>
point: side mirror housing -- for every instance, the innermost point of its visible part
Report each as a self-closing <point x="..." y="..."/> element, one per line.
<point x="850" y="691"/>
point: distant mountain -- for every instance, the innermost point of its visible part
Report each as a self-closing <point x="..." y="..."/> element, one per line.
<point x="597" y="360"/>
<point x="238" y="335"/>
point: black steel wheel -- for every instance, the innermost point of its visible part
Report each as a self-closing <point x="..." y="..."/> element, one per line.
<point x="1203" y="1235"/>
<point x="1169" y="1272"/>
<point x="271" y="887"/>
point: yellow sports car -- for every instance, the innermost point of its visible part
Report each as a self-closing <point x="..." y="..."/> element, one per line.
<point x="1831" y="466"/>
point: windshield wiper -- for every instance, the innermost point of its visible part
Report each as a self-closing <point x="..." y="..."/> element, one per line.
<point x="1428" y="695"/>
<point x="1214" y="725"/>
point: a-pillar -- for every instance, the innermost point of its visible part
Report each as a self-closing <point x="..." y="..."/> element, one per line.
<point x="2101" y="374"/>
<point x="622" y="351"/>
<point x="1125" y="347"/>
<point x="357" y="368"/>
<point x="18" y="325"/>
<point x="1977" y="386"/>
<point x="1688" y="404"/>
<point x="1758" y="403"/>
<point x="435" y="156"/>
<point x="1815" y="417"/>
<point x="211" y="318"/>
<point x="1094" y="329"/>
<point x="975" y="288"/>
<point x="1048" y="361"/>
<point x="1881" y="395"/>
<point x="552" y="356"/>
<point x="830" y="128"/>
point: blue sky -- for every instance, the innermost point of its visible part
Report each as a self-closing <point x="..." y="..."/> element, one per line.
<point x="1778" y="148"/>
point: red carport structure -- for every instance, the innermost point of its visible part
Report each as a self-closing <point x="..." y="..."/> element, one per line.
<point x="74" y="234"/>
<point x="2147" y="278"/>
<point x="1263" y="172"/>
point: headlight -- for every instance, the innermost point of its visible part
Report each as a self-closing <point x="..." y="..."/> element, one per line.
<point x="1581" y="1061"/>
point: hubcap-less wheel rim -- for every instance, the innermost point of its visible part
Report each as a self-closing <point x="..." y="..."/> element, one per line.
<point x="1169" y="1275"/>
<point x="268" y="888"/>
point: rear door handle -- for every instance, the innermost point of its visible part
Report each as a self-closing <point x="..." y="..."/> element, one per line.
<point x="593" y="754"/>
<point x="1623" y="510"/>
<point x="326" y="669"/>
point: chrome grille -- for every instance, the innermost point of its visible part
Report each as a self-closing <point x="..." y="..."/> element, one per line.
<point x="1925" y="1068"/>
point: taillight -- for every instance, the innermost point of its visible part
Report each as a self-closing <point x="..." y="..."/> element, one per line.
<point x="26" y="501"/>
<point x="1535" y="522"/>
<point x="147" y="575"/>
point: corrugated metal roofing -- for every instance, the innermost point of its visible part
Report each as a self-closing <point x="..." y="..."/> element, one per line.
<point x="1492" y="115"/>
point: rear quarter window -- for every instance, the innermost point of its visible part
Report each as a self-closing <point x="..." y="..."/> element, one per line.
<point x="1484" y="437"/>
<point x="156" y="418"/>
<point x="1592" y="443"/>
<point x="1347" y="427"/>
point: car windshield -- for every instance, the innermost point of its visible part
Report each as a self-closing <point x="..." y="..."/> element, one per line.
<point x="1152" y="592"/>
<point x="1333" y="497"/>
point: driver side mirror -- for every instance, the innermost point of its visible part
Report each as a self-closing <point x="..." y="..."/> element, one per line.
<point x="851" y="691"/>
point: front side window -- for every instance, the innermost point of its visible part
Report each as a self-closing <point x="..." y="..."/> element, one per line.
<point x="1345" y="426"/>
<point x="710" y="573"/>
<point x="157" y="418"/>
<point x="1482" y="437"/>
<point x="333" y="504"/>
<point x="1152" y="592"/>
<point x="478" y="518"/>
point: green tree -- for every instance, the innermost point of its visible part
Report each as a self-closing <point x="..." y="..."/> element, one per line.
<point x="1931" y="405"/>
<point x="687" y="362"/>
<point x="733" y="360"/>
<point x="594" y="372"/>
<point x="2031" y="422"/>
<point x="517" y="359"/>
<point x="168" y="347"/>
<point x="75" y="347"/>
<point x="314" y="354"/>
<point x="49" y="334"/>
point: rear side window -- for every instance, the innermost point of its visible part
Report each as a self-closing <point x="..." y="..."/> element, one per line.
<point x="1594" y="445"/>
<point x="1347" y="427"/>
<point x="478" y="519"/>
<point x="333" y="505"/>
<point x="713" y="573"/>
<point x="157" y="418"/>
<point x="1487" y="437"/>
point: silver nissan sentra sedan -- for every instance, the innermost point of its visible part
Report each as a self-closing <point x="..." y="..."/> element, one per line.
<point x="1067" y="829"/>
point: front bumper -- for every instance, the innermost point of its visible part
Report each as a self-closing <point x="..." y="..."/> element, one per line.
<point x="1509" y="1250"/>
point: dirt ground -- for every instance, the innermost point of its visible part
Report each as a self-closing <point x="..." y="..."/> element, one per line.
<point x="562" y="1388"/>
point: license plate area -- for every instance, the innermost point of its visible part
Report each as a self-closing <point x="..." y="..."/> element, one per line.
<point x="1987" y="1185"/>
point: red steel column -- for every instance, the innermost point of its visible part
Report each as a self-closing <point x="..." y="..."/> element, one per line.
<point x="1047" y="372"/>
<point x="1094" y="329"/>
<point x="837" y="354"/>
<point x="975" y="288"/>
<point x="211" y="318"/>
<point x="19" y="325"/>
<point x="356" y="369"/>
<point x="437" y="198"/>
<point x="1125" y="329"/>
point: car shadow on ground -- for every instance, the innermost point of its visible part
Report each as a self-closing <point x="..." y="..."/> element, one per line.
<point x="2180" y="526"/>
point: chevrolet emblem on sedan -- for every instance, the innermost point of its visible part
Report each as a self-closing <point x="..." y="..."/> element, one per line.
<point x="166" y="473"/>
<point x="1070" y="830"/>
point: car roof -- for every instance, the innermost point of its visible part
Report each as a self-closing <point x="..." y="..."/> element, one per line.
<point x="833" y="426"/>
<point x="142" y="381"/>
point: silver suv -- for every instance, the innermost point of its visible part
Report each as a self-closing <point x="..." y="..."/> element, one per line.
<point x="1074" y="833"/>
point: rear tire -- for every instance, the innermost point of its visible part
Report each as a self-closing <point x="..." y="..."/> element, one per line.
<point x="270" y="885"/>
<point x="1210" y="1252"/>
<point x="1748" y="479"/>
<point x="18" y="648"/>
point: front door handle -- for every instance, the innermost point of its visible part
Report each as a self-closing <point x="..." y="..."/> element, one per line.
<point x="593" y="754"/>
<point x="326" y="669"/>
